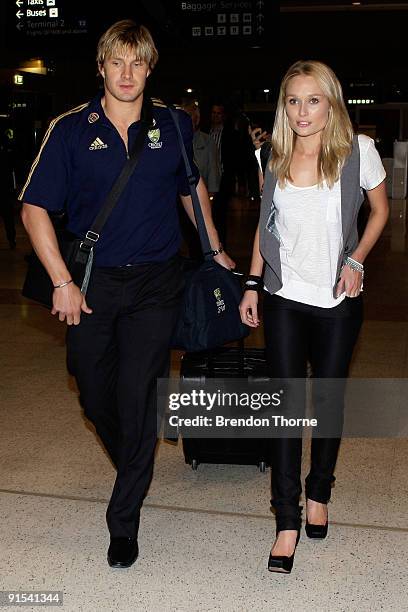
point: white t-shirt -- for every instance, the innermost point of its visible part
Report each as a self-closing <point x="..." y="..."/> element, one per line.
<point x="308" y="220"/>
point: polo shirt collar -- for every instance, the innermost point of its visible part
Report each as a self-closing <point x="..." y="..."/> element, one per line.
<point x="95" y="107"/>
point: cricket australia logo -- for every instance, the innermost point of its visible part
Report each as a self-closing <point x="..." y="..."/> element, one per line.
<point x="98" y="144"/>
<point x="219" y="302"/>
<point x="154" y="137"/>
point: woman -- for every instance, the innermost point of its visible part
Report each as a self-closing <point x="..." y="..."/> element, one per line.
<point x="308" y="260"/>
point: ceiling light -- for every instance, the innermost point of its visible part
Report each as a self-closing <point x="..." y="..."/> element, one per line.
<point x="35" y="66"/>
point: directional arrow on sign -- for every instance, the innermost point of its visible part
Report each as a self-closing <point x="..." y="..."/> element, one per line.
<point x="19" y="2"/>
<point x="20" y="26"/>
<point x="260" y="3"/>
<point x="19" y="14"/>
<point x="260" y="17"/>
<point x="260" y="30"/>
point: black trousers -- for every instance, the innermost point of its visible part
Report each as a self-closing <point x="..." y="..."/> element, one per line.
<point x="296" y="333"/>
<point x="116" y="355"/>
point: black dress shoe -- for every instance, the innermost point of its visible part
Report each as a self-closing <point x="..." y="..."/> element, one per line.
<point x="281" y="563"/>
<point x="122" y="552"/>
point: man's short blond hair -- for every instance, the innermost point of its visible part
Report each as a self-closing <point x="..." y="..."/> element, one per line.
<point x="127" y="35"/>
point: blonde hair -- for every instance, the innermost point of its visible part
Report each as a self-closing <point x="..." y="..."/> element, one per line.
<point x="127" y="35"/>
<point x="337" y="135"/>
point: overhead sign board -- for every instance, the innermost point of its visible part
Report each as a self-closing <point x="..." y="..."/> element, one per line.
<point x="227" y="20"/>
<point x="48" y="18"/>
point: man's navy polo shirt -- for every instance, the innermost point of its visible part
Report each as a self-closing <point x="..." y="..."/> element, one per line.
<point x="81" y="157"/>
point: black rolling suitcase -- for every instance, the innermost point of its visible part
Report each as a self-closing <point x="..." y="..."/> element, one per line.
<point x="225" y="363"/>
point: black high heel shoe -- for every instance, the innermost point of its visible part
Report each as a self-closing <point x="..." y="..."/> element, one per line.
<point x="317" y="532"/>
<point x="281" y="563"/>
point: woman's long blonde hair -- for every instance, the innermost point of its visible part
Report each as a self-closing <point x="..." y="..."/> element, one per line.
<point x="337" y="136"/>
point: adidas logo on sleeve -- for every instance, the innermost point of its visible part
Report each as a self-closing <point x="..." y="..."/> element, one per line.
<point x="98" y="144"/>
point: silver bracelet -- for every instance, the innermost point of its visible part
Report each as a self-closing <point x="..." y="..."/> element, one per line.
<point x="357" y="267"/>
<point x="63" y="284"/>
<point x="354" y="265"/>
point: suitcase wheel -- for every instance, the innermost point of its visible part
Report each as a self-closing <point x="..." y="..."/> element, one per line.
<point x="262" y="466"/>
<point x="194" y="464"/>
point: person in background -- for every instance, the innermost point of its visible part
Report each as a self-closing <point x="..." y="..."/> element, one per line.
<point x="7" y="186"/>
<point x="118" y="337"/>
<point x="246" y="164"/>
<point x="259" y="136"/>
<point x="226" y="139"/>
<point x="261" y="140"/>
<point x="309" y="263"/>
<point x="206" y="154"/>
<point x="207" y="158"/>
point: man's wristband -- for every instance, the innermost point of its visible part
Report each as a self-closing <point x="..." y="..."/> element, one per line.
<point x="254" y="283"/>
<point x="64" y="284"/>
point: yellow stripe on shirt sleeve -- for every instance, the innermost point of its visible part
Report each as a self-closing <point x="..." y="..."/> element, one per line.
<point x="53" y="123"/>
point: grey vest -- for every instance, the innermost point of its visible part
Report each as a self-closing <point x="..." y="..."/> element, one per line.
<point x="351" y="199"/>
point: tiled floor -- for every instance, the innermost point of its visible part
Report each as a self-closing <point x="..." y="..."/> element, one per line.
<point x="205" y="535"/>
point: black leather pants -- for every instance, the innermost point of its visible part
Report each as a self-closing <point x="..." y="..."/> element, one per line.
<point x="296" y="333"/>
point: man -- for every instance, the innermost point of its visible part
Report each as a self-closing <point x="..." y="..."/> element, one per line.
<point x="206" y="153"/>
<point x="227" y="143"/>
<point x="207" y="158"/>
<point x="7" y="187"/>
<point x="118" y="336"/>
